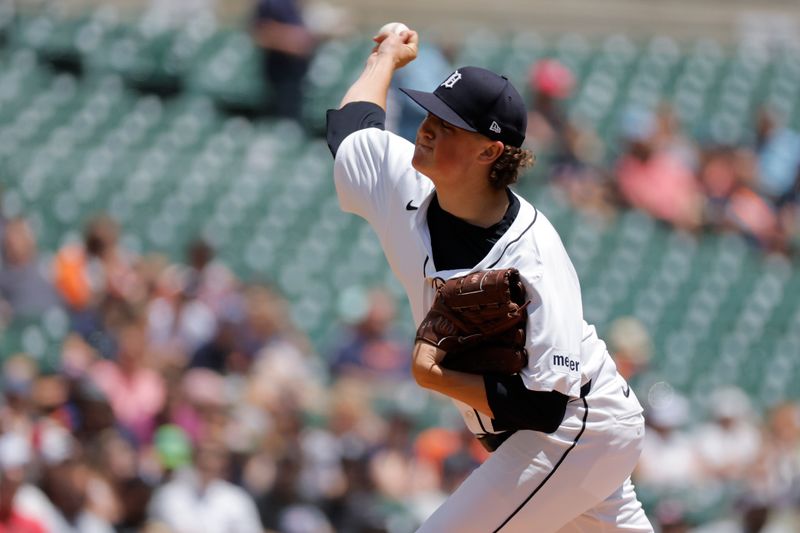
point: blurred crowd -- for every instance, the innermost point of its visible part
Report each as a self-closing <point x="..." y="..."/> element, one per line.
<point x="184" y="400"/>
<point x="713" y="464"/>
<point x="650" y="163"/>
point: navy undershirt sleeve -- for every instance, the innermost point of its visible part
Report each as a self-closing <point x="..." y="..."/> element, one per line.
<point x="351" y="118"/>
<point x="516" y="407"/>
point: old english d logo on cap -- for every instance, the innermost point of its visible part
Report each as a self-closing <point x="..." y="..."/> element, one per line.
<point x="452" y="80"/>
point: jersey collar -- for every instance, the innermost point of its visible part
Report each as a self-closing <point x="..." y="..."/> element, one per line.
<point x="524" y="221"/>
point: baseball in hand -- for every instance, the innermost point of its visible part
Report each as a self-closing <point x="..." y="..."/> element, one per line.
<point x="393" y="27"/>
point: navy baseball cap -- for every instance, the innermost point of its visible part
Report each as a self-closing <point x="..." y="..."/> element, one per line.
<point x="476" y="99"/>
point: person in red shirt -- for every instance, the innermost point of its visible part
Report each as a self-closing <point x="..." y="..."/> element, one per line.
<point x="14" y="455"/>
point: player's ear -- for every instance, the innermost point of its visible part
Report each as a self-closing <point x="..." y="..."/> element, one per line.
<point x="491" y="152"/>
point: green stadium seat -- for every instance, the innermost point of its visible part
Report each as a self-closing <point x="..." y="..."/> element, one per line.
<point x="232" y="74"/>
<point x="484" y="49"/>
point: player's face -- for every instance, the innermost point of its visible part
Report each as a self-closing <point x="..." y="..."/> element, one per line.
<point x="443" y="151"/>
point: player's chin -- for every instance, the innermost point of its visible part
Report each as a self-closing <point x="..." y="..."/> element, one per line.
<point x="419" y="166"/>
<point x="421" y="159"/>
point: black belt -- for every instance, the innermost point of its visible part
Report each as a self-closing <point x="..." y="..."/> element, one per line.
<point x="492" y="441"/>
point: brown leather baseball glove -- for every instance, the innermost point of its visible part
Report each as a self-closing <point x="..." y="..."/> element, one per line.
<point x="479" y="320"/>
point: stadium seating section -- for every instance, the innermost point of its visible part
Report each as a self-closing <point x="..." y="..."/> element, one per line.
<point x="135" y="118"/>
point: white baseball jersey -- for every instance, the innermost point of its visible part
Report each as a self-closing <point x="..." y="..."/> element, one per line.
<point x="374" y="179"/>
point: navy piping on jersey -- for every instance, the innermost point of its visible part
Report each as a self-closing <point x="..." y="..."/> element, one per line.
<point x="553" y="471"/>
<point x="478" y="416"/>
<point x="425" y="264"/>
<point x="535" y="216"/>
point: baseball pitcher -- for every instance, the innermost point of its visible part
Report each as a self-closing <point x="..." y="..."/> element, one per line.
<point x="496" y="300"/>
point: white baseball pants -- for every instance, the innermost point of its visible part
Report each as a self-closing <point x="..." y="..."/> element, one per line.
<point x="575" y="480"/>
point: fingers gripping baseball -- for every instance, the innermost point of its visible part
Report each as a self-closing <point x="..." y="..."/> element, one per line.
<point x="479" y="320"/>
<point x="390" y="27"/>
<point x="397" y="41"/>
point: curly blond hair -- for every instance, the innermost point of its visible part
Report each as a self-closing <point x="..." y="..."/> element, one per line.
<point x="509" y="165"/>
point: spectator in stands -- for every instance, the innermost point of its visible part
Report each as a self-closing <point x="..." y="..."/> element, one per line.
<point x="790" y="224"/>
<point x="179" y="322"/>
<point x="99" y="268"/>
<point x="668" y="138"/>
<point x="18" y="379"/>
<point x="22" y="284"/>
<point x="361" y="510"/>
<point x="631" y="348"/>
<point x="368" y="347"/>
<point x="92" y="412"/>
<point x="208" y="278"/>
<point x="728" y="176"/>
<point x="85" y="501"/>
<point x="669" y="459"/>
<point x="200" y="499"/>
<point x="14" y="459"/>
<point x="135" y="391"/>
<point x="771" y="485"/>
<point x="205" y="405"/>
<point x="718" y="181"/>
<point x="576" y="169"/>
<point x="778" y="151"/>
<point x="284" y="507"/>
<point x="128" y="475"/>
<point x="550" y="82"/>
<point x="265" y="320"/>
<point x="447" y="456"/>
<point x="221" y="353"/>
<point x="746" y="210"/>
<point x="277" y="357"/>
<point x="397" y="472"/>
<point x="730" y="442"/>
<point x="570" y="149"/>
<point x="655" y="180"/>
<point x="286" y="46"/>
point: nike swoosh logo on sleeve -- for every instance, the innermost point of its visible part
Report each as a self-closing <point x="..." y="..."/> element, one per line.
<point x="410" y="207"/>
<point x="627" y="390"/>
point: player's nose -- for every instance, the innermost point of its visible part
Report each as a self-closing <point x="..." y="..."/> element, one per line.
<point x="426" y="130"/>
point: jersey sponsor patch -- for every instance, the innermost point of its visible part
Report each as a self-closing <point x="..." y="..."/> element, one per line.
<point x="564" y="363"/>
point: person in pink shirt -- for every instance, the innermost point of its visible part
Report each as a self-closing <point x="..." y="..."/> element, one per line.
<point x="657" y="180"/>
<point x="135" y="391"/>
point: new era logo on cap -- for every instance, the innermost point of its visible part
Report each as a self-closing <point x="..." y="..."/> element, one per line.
<point x="476" y="99"/>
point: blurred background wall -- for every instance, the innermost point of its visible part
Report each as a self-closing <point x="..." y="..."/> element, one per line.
<point x="727" y="20"/>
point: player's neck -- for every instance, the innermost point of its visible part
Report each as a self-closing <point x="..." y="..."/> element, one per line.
<point x="481" y="206"/>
